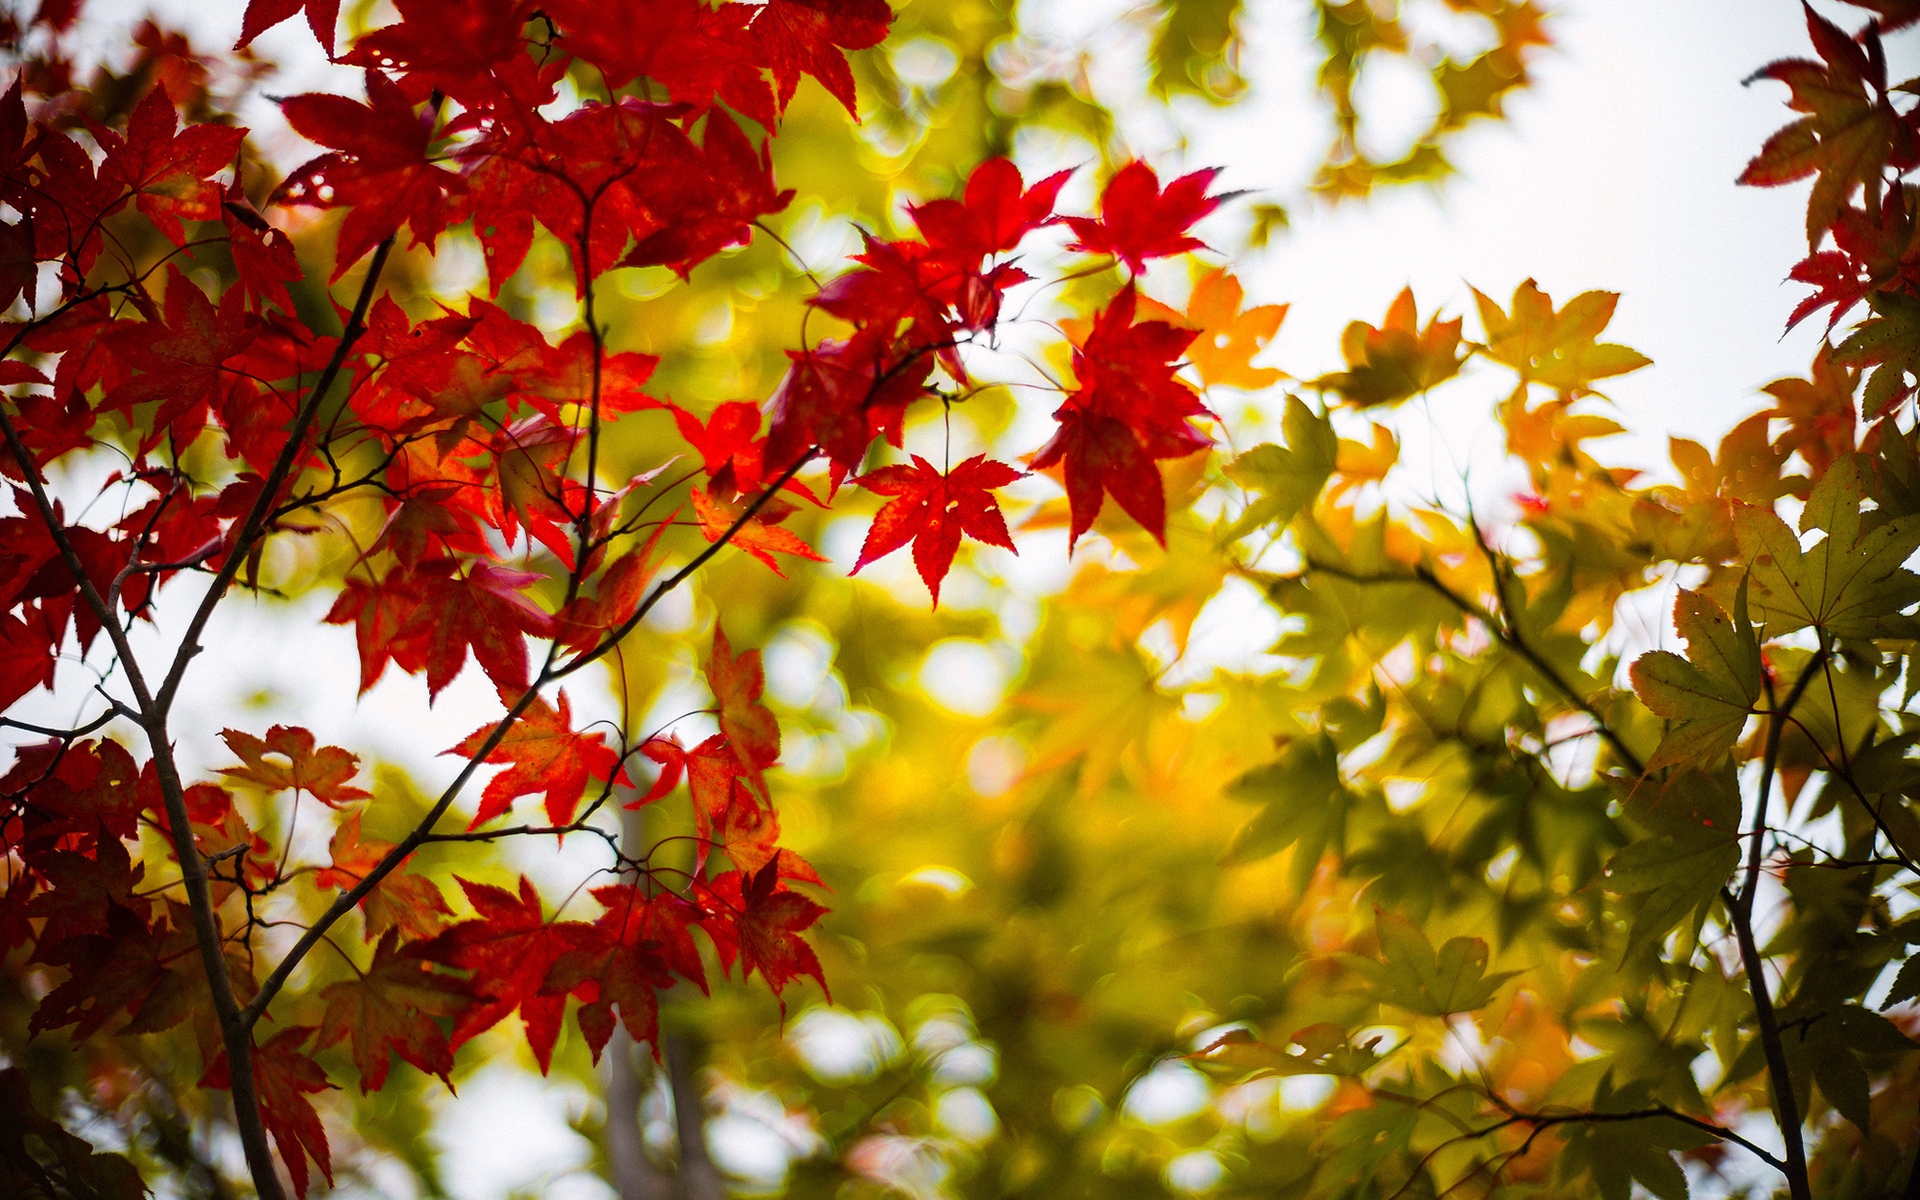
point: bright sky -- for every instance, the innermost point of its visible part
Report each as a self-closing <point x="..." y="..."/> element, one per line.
<point x="1616" y="173"/>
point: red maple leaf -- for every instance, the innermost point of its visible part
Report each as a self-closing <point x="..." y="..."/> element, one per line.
<point x="748" y="725"/>
<point x="662" y="918"/>
<point x="262" y="15"/>
<point x="1128" y="411"/>
<point x="697" y="52"/>
<point x="181" y="359"/>
<point x="127" y="969"/>
<point x="321" y="773"/>
<point x="509" y="947"/>
<point x="760" y="919"/>
<point x="1851" y="130"/>
<point x="546" y="756"/>
<point x="263" y="258"/>
<point x="168" y="167"/>
<point x="616" y="965"/>
<point x="796" y="37"/>
<point x="839" y="396"/>
<point x="482" y="609"/>
<point x="390" y="1008"/>
<point x="746" y="830"/>
<point x="713" y="208"/>
<point x="997" y="212"/>
<point x="283" y="1076"/>
<point x="78" y="792"/>
<point x="758" y="536"/>
<point x="1138" y="221"/>
<point x="444" y="44"/>
<point x="933" y="510"/>
<point x="379" y="169"/>
<point x="409" y="903"/>
<point x="28" y="657"/>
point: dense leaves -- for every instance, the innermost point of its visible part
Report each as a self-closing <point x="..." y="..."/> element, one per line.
<point x="1560" y="899"/>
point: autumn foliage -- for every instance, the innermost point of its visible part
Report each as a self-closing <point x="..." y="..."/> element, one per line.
<point x="1551" y="907"/>
<point x="156" y="325"/>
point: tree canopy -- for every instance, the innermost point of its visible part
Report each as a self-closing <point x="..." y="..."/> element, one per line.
<point x="806" y="502"/>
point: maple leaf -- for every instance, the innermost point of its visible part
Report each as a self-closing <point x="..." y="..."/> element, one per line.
<point x="1288" y="476"/>
<point x="997" y="210"/>
<point x="1128" y="411"/>
<point x="1228" y="338"/>
<point x="1413" y="976"/>
<point x="284" y="1076"/>
<point x="1819" y="410"/>
<point x="509" y="947"/>
<point x="698" y="53"/>
<point x="1324" y="1049"/>
<point x="1399" y="359"/>
<point x="263" y="257"/>
<point x="932" y="510"/>
<point x="839" y="396"/>
<point x="762" y="920"/>
<point x="403" y="901"/>
<point x="482" y="610"/>
<point x="796" y="37"/>
<point x="1556" y="348"/>
<point x="262" y="15"/>
<point x="662" y="919"/>
<point x="1138" y="221"/>
<point x="28" y="659"/>
<point x="389" y="1009"/>
<point x="756" y="537"/>
<point x="1619" y="1154"/>
<point x="379" y="170"/>
<point x="168" y="167"/>
<point x="126" y="969"/>
<point x="546" y="756"/>
<point x="616" y="966"/>
<point x="182" y="359"/>
<point x="1849" y="131"/>
<point x="1708" y="694"/>
<point x="1694" y="818"/>
<point x="748" y="725"/>
<point x="446" y="45"/>
<point x="1305" y="806"/>
<point x="321" y="773"/>
<point x="1889" y="343"/>
<point x="1850" y="582"/>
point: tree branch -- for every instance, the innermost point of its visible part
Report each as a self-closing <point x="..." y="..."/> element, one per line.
<point x="1508" y="636"/>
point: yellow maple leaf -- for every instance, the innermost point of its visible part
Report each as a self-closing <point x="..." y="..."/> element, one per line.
<point x="1229" y="338"/>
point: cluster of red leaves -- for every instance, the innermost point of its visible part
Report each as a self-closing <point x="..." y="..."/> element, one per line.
<point x="81" y="902"/>
<point x="1849" y="139"/>
<point x="434" y="983"/>
<point x="476" y="436"/>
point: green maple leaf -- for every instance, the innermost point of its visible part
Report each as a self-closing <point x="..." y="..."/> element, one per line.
<point x="1618" y="1154"/>
<point x="1559" y="349"/>
<point x="1848" y="583"/>
<point x="1695" y="819"/>
<point x="1290" y="476"/>
<point x="1304" y="804"/>
<point x="1322" y="1049"/>
<point x="1889" y="343"/>
<point x="1708" y="694"/>
<point x="1413" y="976"/>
